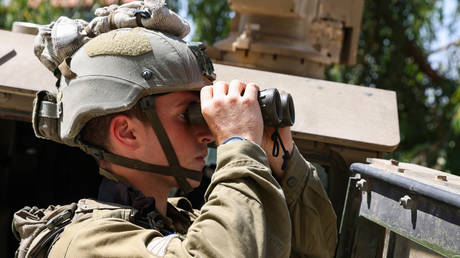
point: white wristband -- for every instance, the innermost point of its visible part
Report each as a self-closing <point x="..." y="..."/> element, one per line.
<point x="234" y="139"/>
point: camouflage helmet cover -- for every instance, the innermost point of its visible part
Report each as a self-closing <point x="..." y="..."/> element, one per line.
<point x="113" y="71"/>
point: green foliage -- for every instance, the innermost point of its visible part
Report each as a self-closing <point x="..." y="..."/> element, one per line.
<point x="392" y="55"/>
<point x="395" y="41"/>
<point x="44" y="13"/>
<point x="173" y="5"/>
<point x="212" y="19"/>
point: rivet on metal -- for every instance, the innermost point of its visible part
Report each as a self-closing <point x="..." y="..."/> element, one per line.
<point x="394" y="162"/>
<point x="407" y="202"/>
<point x="442" y="178"/>
<point x="147" y="74"/>
<point x="362" y="185"/>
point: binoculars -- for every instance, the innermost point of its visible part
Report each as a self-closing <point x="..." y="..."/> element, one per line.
<point x="277" y="109"/>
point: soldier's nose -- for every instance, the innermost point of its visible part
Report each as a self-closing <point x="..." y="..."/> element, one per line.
<point x="205" y="136"/>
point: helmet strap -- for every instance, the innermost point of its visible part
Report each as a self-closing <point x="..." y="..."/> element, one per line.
<point x="174" y="169"/>
<point x="180" y="173"/>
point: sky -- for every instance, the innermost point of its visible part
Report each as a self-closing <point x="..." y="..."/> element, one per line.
<point x="445" y="36"/>
<point x="183" y="13"/>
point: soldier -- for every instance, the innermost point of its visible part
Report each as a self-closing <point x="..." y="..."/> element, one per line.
<point x="123" y="98"/>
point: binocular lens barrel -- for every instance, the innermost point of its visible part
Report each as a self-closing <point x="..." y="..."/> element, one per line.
<point x="277" y="109"/>
<point x="287" y="107"/>
<point x="270" y="105"/>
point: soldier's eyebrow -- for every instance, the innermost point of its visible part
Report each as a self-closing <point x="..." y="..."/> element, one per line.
<point x="186" y="101"/>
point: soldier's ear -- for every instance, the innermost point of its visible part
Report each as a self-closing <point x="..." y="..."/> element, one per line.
<point x="124" y="132"/>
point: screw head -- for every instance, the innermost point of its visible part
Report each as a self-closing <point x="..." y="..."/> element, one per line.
<point x="406" y="202"/>
<point x="362" y="185"/>
<point x="394" y="162"/>
<point x="442" y="178"/>
<point x="147" y="74"/>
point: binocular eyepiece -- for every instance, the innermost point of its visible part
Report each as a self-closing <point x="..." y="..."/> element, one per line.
<point x="277" y="109"/>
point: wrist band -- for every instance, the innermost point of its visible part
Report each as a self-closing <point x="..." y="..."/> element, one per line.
<point x="234" y="139"/>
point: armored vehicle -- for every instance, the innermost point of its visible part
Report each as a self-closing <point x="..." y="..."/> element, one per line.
<point x="385" y="208"/>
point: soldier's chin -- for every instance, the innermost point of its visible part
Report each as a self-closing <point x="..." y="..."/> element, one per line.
<point x="193" y="183"/>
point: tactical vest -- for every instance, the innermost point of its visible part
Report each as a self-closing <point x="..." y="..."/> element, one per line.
<point x="37" y="229"/>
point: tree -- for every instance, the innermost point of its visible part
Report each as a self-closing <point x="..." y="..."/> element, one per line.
<point x="393" y="54"/>
<point x="395" y="43"/>
<point x="43" y="13"/>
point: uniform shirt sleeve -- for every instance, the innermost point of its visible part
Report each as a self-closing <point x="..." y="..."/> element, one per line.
<point x="314" y="230"/>
<point x="245" y="215"/>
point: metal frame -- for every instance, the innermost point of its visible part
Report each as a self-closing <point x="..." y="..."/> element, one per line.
<point x="414" y="211"/>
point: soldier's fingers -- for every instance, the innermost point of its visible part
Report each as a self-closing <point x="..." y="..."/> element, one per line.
<point x="251" y="91"/>
<point x="236" y="88"/>
<point x="206" y="94"/>
<point x="220" y="89"/>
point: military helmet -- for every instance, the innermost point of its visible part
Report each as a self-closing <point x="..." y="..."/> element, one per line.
<point x="110" y="74"/>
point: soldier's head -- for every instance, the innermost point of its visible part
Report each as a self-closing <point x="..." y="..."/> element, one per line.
<point x="122" y="99"/>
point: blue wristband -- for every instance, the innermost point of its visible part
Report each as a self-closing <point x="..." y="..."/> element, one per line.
<point x="234" y="139"/>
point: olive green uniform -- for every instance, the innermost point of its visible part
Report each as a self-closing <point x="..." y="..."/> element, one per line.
<point x="247" y="214"/>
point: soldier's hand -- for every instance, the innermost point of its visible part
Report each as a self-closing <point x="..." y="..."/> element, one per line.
<point x="267" y="145"/>
<point x="232" y="110"/>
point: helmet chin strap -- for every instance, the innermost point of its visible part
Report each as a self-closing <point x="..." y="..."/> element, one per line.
<point x="180" y="173"/>
<point x="174" y="169"/>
